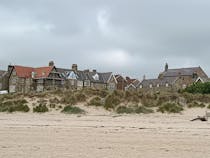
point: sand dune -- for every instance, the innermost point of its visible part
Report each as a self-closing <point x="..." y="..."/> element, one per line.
<point x="93" y="135"/>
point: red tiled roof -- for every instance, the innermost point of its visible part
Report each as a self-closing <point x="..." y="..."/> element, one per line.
<point x="26" y="72"/>
<point x="22" y="71"/>
<point x="42" y="71"/>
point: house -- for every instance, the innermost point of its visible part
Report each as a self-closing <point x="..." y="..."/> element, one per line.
<point x="156" y="84"/>
<point x="132" y="84"/>
<point x="25" y="79"/>
<point x="121" y="82"/>
<point x="99" y="80"/>
<point x="184" y="77"/>
<point x="78" y="79"/>
<point x="3" y="80"/>
<point x="175" y="78"/>
<point x="74" y="78"/>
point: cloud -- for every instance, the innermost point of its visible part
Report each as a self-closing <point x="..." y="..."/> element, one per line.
<point x="129" y="37"/>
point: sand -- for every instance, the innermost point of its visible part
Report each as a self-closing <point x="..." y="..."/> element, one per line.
<point x="104" y="135"/>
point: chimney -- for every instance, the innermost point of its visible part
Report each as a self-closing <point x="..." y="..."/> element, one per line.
<point x="166" y="67"/>
<point x="144" y="77"/>
<point x="74" y="67"/>
<point x="87" y="70"/>
<point x="51" y="63"/>
<point x="94" y="71"/>
<point x="10" y="68"/>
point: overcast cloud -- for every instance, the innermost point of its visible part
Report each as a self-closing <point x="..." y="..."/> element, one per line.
<point x="131" y="37"/>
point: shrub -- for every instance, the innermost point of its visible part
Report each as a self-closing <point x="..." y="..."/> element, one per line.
<point x="96" y="101"/>
<point x="124" y="110"/>
<point x="41" y="108"/>
<point x="203" y="88"/>
<point x="136" y="109"/>
<point x="111" y="102"/>
<point x="170" y="108"/>
<point x="12" y="106"/>
<point x="144" y="110"/>
<point x="80" y="97"/>
<point x="72" y="110"/>
<point x="69" y="99"/>
<point x="208" y="106"/>
<point x="196" y="104"/>
<point x="132" y="96"/>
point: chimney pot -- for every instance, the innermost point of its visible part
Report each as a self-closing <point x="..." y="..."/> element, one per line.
<point x="51" y="63"/>
<point x="74" y="67"/>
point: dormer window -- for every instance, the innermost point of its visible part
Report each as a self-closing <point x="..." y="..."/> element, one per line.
<point x="141" y="87"/>
<point x="96" y="77"/>
<point x="72" y="75"/>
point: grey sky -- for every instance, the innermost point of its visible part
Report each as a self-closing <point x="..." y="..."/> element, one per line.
<point x="133" y="37"/>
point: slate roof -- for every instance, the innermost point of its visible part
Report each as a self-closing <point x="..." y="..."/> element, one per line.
<point x="65" y="72"/>
<point x="83" y="75"/>
<point x="183" y="72"/>
<point x="161" y="82"/>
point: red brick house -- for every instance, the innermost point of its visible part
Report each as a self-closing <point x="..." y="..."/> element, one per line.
<point x="121" y="82"/>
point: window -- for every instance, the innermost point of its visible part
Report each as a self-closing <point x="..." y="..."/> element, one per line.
<point x="141" y="86"/>
<point x="87" y="83"/>
<point x="150" y="86"/>
<point x="158" y="85"/>
<point x="167" y="85"/>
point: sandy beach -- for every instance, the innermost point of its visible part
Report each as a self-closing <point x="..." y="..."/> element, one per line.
<point x="99" y="135"/>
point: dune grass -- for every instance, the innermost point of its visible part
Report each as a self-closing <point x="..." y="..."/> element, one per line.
<point x="69" y="109"/>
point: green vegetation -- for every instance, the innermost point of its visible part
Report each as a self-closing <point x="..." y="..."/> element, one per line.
<point x="143" y="110"/>
<point x="124" y="110"/>
<point x="202" y="88"/>
<point x="196" y="105"/>
<point x="96" y="101"/>
<point x="13" y="106"/>
<point x="170" y="108"/>
<point x="41" y="108"/>
<point x="112" y="101"/>
<point x="72" y="110"/>
<point x="133" y="110"/>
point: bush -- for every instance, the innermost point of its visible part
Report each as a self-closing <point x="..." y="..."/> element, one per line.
<point x="124" y="110"/>
<point x="13" y="106"/>
<point x="80" y="97"/>
<point x="196" y="104"/>
<point x="111" y="101"/>
<point x="72" y="110"/>
<point x="203" y="88"/>
<point x="69" y="99"/>
<point x="144" y="110"/>
<point x="132" y="96"/>
<point x="170" y="108"/>
<point x="41" y="108"/>
<point x="136" y="110"/>
<point x="208" y="106"/>
<point x="96" y="101"/>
